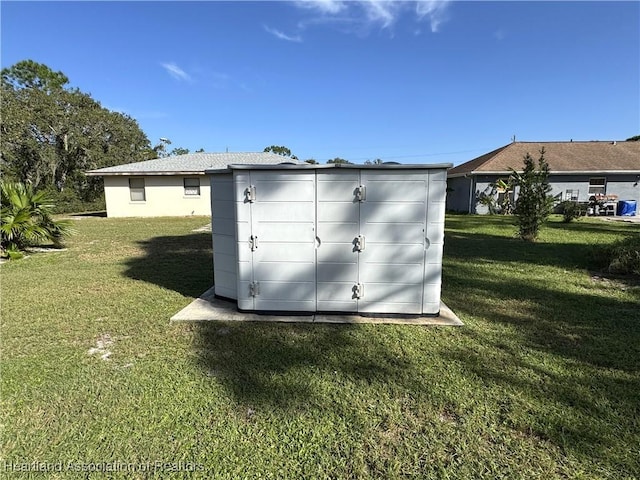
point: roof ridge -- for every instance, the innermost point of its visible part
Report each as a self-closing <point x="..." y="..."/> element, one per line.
<point x="477" y="162"/>
<point x="566" y="141"/>
<point x="191" y="162"/>
<point x="597" y="155"/>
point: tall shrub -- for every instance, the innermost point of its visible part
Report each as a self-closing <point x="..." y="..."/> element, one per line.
<point x="533" y="205"/>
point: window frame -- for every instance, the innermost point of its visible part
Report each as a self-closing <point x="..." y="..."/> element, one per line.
<point x="571" y="195"/>
<point x="187" y="187"/>
<point x="135" y="191"/>
<point x="601" y="188"/>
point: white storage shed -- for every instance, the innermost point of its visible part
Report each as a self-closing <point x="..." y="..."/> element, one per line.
<point x="329" y="238"/>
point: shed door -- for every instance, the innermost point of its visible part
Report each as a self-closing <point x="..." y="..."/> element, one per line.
<point x="338" y="226"/>
<point x="278" y="240"/>
<point x="392" y="222"/>
<point x="371" y="251"/>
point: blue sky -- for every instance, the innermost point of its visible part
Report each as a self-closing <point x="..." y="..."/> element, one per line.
<point x="415" y="82"/>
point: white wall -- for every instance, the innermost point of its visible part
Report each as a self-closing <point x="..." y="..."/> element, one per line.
<point x="223" y="229"/>
<point x="164" y="197"/>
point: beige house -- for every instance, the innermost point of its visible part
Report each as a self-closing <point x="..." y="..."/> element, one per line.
<point x="171" y="186"/>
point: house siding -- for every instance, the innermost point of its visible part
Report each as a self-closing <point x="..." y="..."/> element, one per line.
<point x="622" y="185"/>
<point x="458" y="194"/>
<point x="164" y="197"/>
<point x="482" y="184"/>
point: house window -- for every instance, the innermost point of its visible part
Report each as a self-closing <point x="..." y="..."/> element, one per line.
<point x="597" y="186"/>
<point x="572" y="195"/>
<point x="136" y="189"/>
<point x="192" y="186"/>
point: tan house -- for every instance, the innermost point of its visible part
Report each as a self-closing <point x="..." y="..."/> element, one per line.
<point x="171" y="186"/>
<point x="578" y="171"/>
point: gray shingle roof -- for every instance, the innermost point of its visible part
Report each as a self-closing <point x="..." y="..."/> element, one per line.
<point x="191" y="163"/>
<point x="562" y="157"/>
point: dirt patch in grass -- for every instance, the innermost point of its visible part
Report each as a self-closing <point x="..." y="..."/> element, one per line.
<point x="622" y="282"/>
<point x="103" y="342"/>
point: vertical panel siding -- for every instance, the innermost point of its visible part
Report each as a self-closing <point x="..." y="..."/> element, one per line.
<point x="223" y="231"/>
<point x="338" y="219"/>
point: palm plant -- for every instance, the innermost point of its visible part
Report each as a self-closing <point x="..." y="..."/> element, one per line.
<point x="26" y="219"/>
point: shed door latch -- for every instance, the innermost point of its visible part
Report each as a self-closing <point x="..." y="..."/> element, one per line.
<point x="253" y="242"/>
<point x="254" y="289"/>
<point x="359" y="243"/>
<point x="250" y="194"/>
<point x="361" y="193"/>
<point x="358" y="290"/>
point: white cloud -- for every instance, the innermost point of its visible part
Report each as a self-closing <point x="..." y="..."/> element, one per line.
<point x="434" y="10"/>
<point x="384" y="12"/>
<point x="176" y="72"/>
<point x="359" y="16"/>
<point x="283" y="36"/>
<point x="330" y="7"/>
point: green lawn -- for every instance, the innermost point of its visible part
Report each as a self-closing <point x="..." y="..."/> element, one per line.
<point x="543" y="381"/>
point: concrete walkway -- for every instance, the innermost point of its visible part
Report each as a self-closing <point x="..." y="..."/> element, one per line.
<point x="628" y="219"/>
<point x="209" y="308"/>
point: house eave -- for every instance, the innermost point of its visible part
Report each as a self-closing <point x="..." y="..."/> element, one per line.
<point x="476" y="173"/>
<point x="139" y="174"/>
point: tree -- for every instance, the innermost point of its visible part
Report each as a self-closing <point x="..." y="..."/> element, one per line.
<point x="339" y="161"/>
<point x="200" y="150"/>
<point x="280" y="150"/>
<point x="179" y="151"/>
<point x="26" y="219"/>
<point x="311" y="161"/>
<point x="377" y="161"/>
<point x="160" y="148"/>
<point x="30" y="74"/>
<point x="533" y="205"/>
<point x="51" y="134"/>
<point x="633" y="139"/>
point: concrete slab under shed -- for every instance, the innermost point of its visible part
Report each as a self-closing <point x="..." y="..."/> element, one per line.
<point x="209" y="308"/>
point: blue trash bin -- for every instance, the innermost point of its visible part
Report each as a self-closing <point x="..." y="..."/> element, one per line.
<point x="627" y="208"/>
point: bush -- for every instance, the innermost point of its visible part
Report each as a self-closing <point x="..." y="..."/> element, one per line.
<point x="25" y="220"/>
<point x="533" y="205"/>
<point x="621" y="257"/>
<point x="69" y="201"/>
<point x="571" y="211"/>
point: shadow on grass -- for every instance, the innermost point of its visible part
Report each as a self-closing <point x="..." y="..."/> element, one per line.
<point x="590" y="327"/>
<point x="183" y="263"/>
<point x="478" y="247"/>
<point x="590" y="413"/>
<point x="572" y="349"/>
<point x="601" y="226"/>
<point x="506" y="223"/>
<point x="340" y="369"/>
<point x="301" y="366"/>
<point x="99" y="214"/>
<point x="485" y="247"/>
